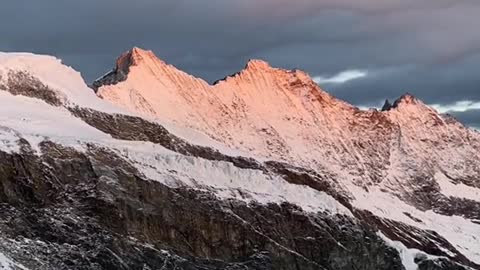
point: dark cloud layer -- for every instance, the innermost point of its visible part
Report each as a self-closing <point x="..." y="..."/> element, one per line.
<point x="430" y="48"/>
<point x="470" y="117"/>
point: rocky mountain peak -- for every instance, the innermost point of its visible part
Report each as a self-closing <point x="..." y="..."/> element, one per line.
<point x="134" y="57"/>
<point x="407" y="99"/>
<point x="260" y="74"/>
<point x="124" y="62"/>
<point x="257" y="64"/>
<point x="264" y="74"/>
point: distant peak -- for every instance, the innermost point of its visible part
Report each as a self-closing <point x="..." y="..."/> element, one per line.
<point x="133" y="57"/>
<point x="257" y="64"/>
<point x="254" y="66"/>
<point x="141" y="54"/>
<point x="137" y="50"/>
<point x="406" y="99"/>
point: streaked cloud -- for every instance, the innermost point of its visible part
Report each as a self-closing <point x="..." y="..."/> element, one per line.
<point x="430" y="48"/>
<point x="341" y="77"/>
<point x="459" y="106"/>
<point x="466" y="111"/>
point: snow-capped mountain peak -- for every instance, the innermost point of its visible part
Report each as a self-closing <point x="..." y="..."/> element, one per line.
<point x="257" y="64"/>
<point x="405" y="100"/>
<point x="262" y="73"/>
<point x="408" y="100"/>
<point x="137" y="57"/>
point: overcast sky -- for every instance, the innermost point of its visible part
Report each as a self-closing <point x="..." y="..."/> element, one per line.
<point x="363" y="51"/>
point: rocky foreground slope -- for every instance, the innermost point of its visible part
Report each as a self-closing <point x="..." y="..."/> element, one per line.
<point x="262" y="170"/>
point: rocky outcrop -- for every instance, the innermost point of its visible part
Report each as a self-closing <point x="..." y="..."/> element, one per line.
<point x="24" y="84"/>
<point x="387" y="106"/>
<point x="120" y="72"/>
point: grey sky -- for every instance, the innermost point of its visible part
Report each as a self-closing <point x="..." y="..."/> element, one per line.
<point x="430" y="48"/>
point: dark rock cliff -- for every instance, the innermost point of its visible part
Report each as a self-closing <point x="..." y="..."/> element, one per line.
<point x="72" y="210"/>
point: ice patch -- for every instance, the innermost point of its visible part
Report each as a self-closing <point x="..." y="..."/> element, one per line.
<point x="36" y="121"/>
<point x="8" y="264"/>
<point x="407" y="255"/>
<point x="457" y="190"/>
<point x="460" y="232"/>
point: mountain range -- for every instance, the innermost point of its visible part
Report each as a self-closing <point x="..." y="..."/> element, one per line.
<point x="152" y="168"/>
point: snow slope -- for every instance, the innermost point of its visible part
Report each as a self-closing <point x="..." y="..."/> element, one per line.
<point x="459" y="231"/>
<point x="36" y="121"/>
<point x="67" y="82"/>
<point x="8" y="264"/>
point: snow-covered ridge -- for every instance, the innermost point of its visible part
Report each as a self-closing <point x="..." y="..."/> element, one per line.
<point x="233" y="115"/>
<point x="284" y="115"/>
<point x="69" y="87"/>
<point x="67" y="83"/>
<point x="279" y="114"/>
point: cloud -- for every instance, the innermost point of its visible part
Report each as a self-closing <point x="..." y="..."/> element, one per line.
<point x="443" y="84"/>
<point x="459" y="106"/>
<point x="470" y="117"/>
<point x="341" y="77"/>
<point x="467" y="112"/>
<point x="430" y="48"/>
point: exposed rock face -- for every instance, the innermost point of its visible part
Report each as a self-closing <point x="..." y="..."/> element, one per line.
<point x="387" y="106"/>
<point x="120" y="72"/>
<point x="22" y="83"/>
<point x="86" y="185"/>
<point x="93" y="210"/>
<point x="137" y="129"/>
